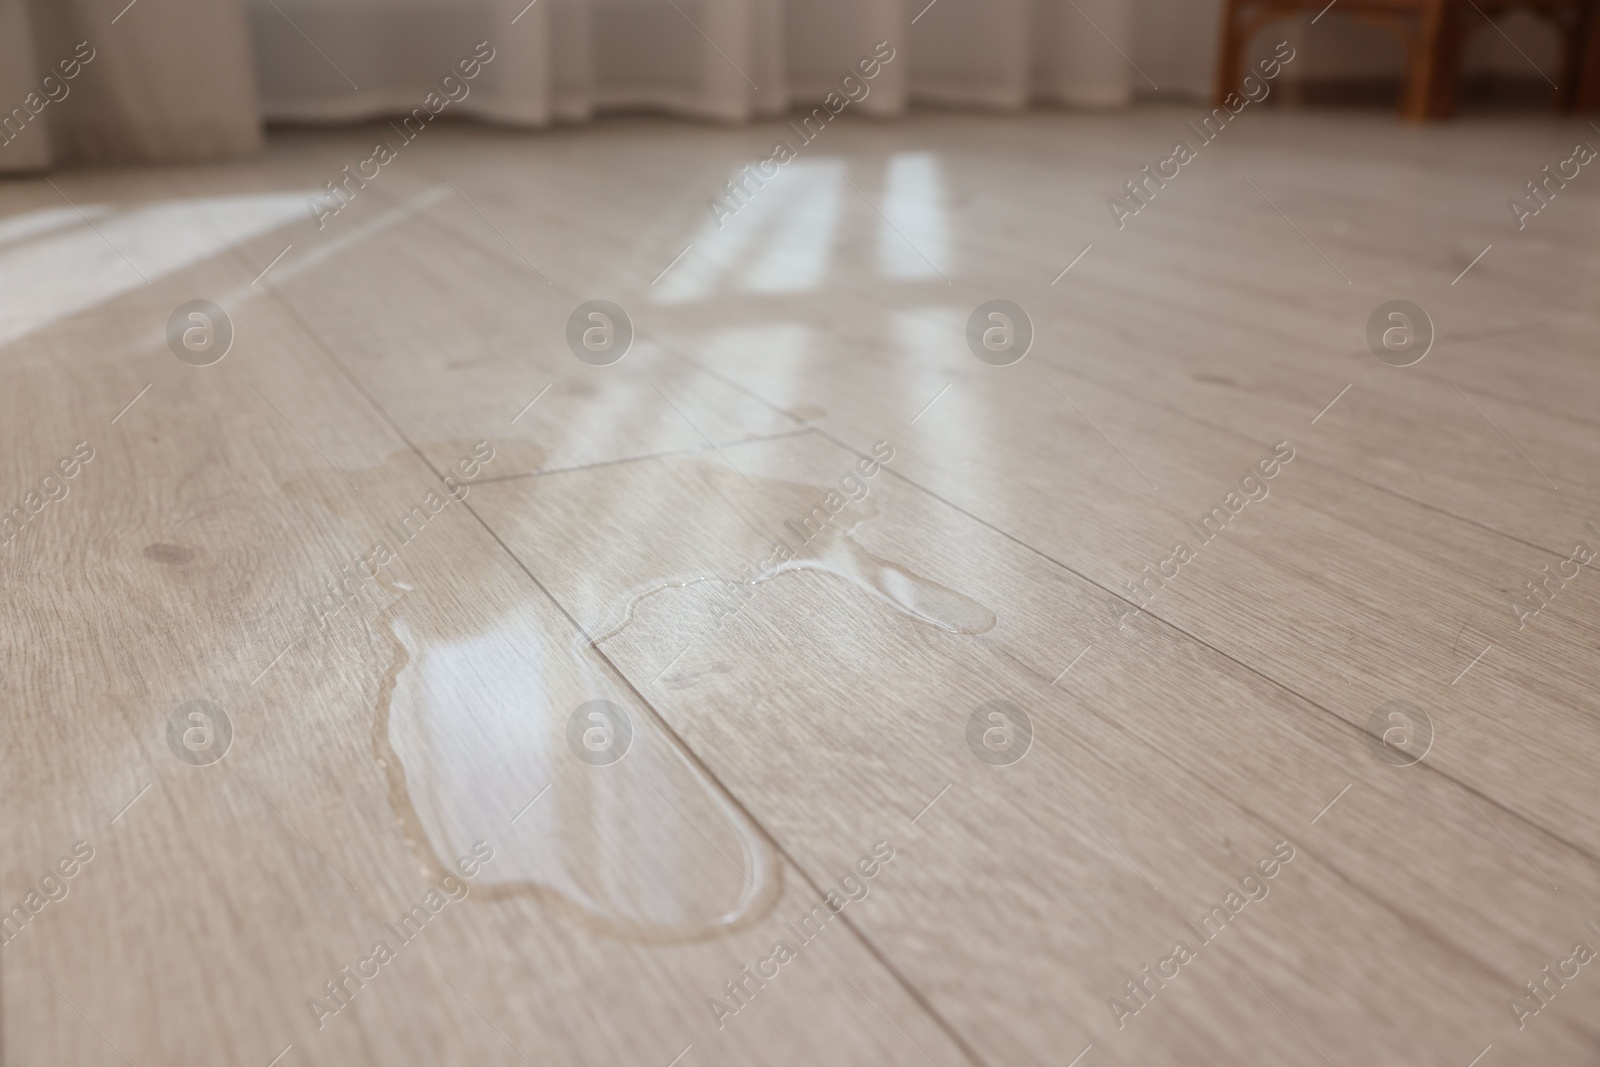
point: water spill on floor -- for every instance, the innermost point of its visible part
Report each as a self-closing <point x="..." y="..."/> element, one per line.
<point x="470" y="728"/>
<point x="475" y="747"/>
<point x="470" y="734"/>
<point x="827" y="547"/>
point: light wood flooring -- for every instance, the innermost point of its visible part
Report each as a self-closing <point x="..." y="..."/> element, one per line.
<point x="788" y="717"/>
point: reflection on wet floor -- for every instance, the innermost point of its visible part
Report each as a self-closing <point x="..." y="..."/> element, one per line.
<point x="646" y="847"/>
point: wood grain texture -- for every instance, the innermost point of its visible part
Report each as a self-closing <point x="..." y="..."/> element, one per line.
<point x="789" y="715"/>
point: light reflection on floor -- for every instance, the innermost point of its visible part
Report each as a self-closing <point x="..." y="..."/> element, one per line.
<point x="785" y="232"/>
<point x="58" y="262"/>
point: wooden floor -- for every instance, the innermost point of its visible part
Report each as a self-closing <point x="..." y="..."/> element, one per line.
<point x="398" y="681"/>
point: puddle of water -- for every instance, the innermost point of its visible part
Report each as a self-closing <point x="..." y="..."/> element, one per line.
<point x="832" y="549"/>
<point x="470" y="726"/>
<point x="645" y="848"/>
<point x="902" y="589"/>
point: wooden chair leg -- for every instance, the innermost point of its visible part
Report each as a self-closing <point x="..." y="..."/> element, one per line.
<point x="1444" y="89"/>
<point x="1230" y="54"/>
<point x="1419" y="71"/>
<point x="1431" y="77"/>
<point x="1581" y="80"/>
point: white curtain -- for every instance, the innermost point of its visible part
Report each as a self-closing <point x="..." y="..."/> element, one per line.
<point x="163" y="80"/>
<point x="724" y="60"/>
<point x="96" y="81"/>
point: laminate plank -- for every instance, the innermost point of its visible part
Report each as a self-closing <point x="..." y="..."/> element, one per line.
<point x="1404" y="211"/>
<point x="1182" y="759"/>
<point x="1108" y="318"/>
<point x="1174" y="747"/>
<point x="1389" y="617"/>
<point x="864" y="379"/>
<point x="432" y="327"/>
<point x="187" y="562"/>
